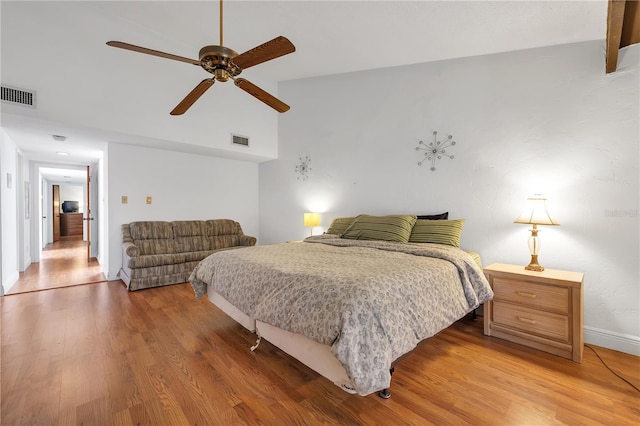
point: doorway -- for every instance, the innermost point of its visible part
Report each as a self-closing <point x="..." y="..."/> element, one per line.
<point x="62" y="254"/>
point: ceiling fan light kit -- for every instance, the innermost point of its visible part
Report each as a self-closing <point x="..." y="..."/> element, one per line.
<point x="225" y="63"/>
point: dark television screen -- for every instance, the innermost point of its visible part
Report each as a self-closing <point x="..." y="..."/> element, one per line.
<point x="70" y="207"/>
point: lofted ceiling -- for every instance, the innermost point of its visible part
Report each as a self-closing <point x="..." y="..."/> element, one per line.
<point x="51" y="43"/>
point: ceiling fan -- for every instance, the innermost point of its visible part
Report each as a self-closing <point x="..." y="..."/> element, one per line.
<point x="225" y="64"/>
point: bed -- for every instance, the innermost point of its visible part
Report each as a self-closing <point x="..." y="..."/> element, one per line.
<point x="347" y="308"/>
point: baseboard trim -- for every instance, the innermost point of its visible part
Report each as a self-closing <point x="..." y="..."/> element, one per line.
<point x="10" y="282"/>
<point x="611" y="340"/>
<point x="26" y="265"/>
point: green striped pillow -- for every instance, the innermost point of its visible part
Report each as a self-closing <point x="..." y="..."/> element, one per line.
<point x="384" y="228"/>
<point x="437" y="231"/>
<point x="339" y="225"/>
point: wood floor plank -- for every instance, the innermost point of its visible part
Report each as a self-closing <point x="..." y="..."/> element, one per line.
<point x="98" y="354"/>
<point x="62" y="264"/>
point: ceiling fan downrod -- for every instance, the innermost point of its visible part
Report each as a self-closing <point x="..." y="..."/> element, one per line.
<point x="221" y="44"/>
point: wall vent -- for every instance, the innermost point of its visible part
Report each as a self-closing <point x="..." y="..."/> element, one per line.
<point x="239" y="140"/>
<point x="18" y="96"/>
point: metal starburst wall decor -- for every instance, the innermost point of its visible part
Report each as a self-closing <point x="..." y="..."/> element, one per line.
<point x="303" y="168"/>
<point x="435" y="150"/>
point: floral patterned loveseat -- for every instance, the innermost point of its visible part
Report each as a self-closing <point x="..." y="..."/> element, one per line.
<point x="156" y="253"/>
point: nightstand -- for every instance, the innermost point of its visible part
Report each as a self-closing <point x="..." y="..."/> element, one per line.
<point x="543" y="310"/>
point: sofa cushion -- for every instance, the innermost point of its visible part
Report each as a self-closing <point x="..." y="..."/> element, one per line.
<point x="190" y="235"/>
<point x="147" y="261"/>
<point x="196" y="256"/>
<point x="155" y="246"/>
<point x="152" y="237"/>
<point x="189" y="228"/>
<point x="189" y="244"/>
<point x="149" y="230"/>
<point x="223" y="233"/>
<point x="223" y="227"/>
<point x="223" y="241"/>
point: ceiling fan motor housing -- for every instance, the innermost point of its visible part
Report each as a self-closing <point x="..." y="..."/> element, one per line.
<point x="218" y="61"/>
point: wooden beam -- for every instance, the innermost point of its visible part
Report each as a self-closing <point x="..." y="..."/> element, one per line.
<point x="631" y="23"/>
<point x="615" y="18"/>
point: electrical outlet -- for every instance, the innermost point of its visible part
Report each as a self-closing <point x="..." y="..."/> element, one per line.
<point x="148" y="200"/>
<point x="125" y="199"/>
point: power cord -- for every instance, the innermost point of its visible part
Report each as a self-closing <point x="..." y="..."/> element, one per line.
<point x="609" y="368"/>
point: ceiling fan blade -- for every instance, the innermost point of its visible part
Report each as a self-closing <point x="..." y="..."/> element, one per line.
<point x="193" y="96"/>
<point x="135" y="48"/>
<point x="260" y="94"/>
<point x="275" y="48"/>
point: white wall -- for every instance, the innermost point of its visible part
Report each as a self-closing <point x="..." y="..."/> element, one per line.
<point x="9" y="204"/>
<point x="182" y="187"/>
<point x="544" y="121"/>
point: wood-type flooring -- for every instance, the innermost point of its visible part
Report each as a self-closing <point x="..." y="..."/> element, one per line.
<point x="99" y="355"/>
<point x="62" y="264"/>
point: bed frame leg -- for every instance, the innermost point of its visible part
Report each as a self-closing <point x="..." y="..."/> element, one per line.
<point x="384" y="393"/>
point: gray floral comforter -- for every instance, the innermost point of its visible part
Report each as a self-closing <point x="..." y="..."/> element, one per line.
<point x="371" y="301"/>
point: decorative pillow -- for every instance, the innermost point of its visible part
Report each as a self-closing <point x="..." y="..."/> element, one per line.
<point x="437" y="231"/>
<point x="441" y="216"/>
<point x="385" y="228"/>
<point x="339" y="225"/>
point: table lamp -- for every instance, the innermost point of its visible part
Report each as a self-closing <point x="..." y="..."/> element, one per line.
<point x="311" y="220"/>
<point x="535" y="213"/>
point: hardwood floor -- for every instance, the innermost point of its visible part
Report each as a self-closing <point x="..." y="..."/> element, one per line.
<point x="62" y="264"/>
<point x="99" y="355"/>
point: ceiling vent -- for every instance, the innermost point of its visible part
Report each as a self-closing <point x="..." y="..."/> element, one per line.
<point x="240" y="140"/>
<point x="18" y="96"/>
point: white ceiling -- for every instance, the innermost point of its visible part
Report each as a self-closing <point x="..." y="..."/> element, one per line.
<point x="330" y="37"/>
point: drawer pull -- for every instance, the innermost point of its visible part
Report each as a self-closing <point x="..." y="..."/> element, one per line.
<point x="527" y="320"/>
<point x="525" y="294"/>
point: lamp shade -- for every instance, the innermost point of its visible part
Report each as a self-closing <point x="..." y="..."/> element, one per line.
<point x="535" y="212"/>
<point x="312" y="219"/>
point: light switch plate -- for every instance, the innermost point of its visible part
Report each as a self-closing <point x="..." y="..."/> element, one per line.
<point x="125" y="199"/>
<point x="148" y="200"/>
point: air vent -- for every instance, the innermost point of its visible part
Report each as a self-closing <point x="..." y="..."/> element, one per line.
<point x="18" y="96"/>
<point x="240" y="140"/>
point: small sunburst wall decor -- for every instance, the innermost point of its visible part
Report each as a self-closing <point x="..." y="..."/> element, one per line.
<point x="435" y="150"/>
<point x="303" y="168"/>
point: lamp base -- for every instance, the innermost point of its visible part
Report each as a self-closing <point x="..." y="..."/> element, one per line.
<point x="534" y="265"/>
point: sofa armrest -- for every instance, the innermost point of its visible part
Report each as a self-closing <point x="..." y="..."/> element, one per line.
<point x="246" y="240"/>
<point x="130" y="249"/>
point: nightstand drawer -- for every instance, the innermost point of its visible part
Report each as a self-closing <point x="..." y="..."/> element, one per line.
<point x="531" y="321"/>
<point x="538" y="296"/>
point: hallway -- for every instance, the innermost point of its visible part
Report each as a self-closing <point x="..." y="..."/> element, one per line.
<point x="62" y="264"/>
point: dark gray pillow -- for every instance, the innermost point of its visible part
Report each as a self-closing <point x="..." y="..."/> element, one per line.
<point x="441" y="216"/>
